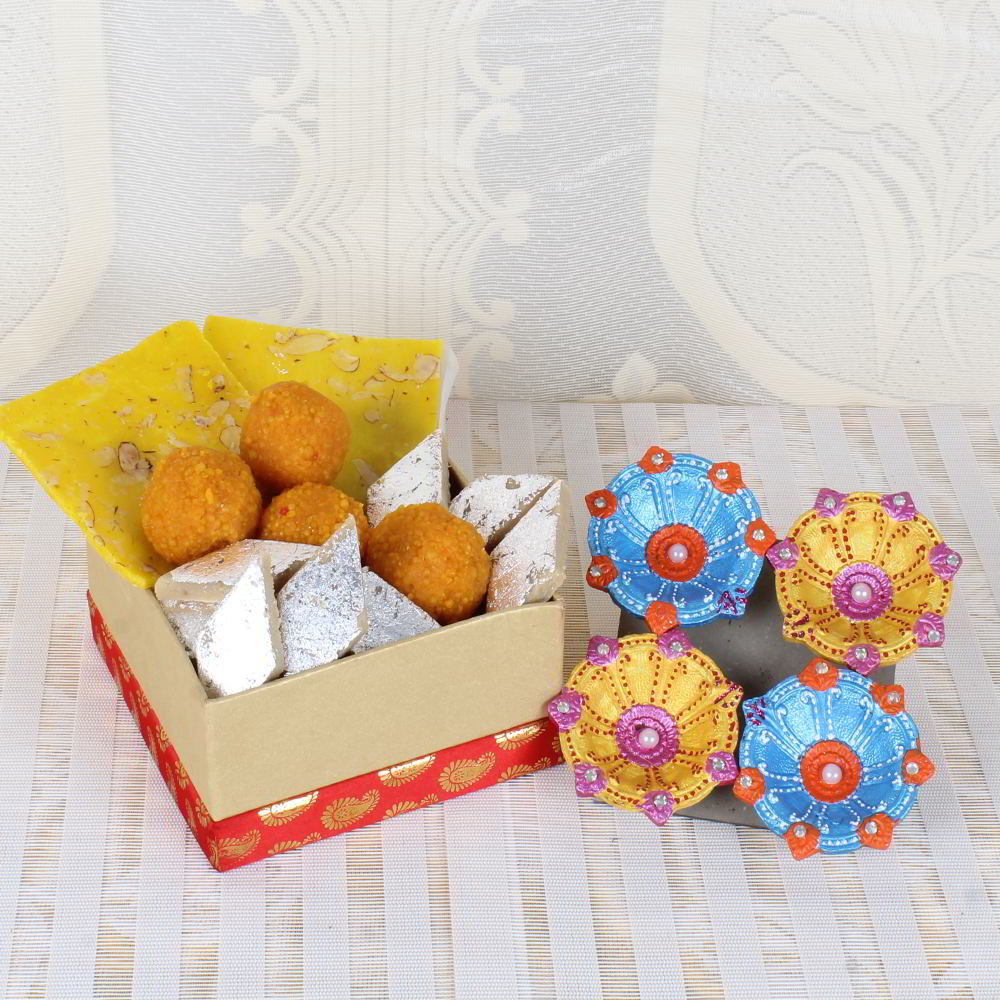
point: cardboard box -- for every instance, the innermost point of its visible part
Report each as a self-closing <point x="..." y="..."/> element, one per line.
<point x="340" y="746"/>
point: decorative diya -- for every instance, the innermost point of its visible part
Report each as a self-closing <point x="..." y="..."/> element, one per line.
<point x="830" y="760"/>
<point x="677" y="539"/>
<point x="863" y="578"/>
<point x="648" y="723"/>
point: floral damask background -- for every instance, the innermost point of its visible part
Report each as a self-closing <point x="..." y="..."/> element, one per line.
<point x="654" y="199"/>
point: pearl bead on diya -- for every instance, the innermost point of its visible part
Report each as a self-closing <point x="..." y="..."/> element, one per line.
<point x="861" y="593"/>
<point x="677" y="553"/>
<point x="648" y="738"/>
<point x="831" y="774"/>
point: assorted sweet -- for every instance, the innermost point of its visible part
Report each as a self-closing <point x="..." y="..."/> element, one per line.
<point x="677" y="538"/>
<point x="340" y="586"/>
<point x="419" y="477"/>
<point x="529" y="563"/>
<point x="322" y="607"/>
<point x="344" y="588"/>
<point x="830" y="760"/>
<point x="163" y="459"/>
<point x="210" y="578"/>
<point x="645" y="728"/>
<point x="293" y="434"/>
<point x="494" y="504"/>
<point x="189" y="594"/>
<point x="199" y="500"/>
<point x="436" y="559"/>
<point x="391" y="615"/>
<point x="309" y="514"/>
<point x="188" y="618"/>
<point x="240" y="647"/>
<point x="864" y="579"/>
<point x="92" y="440"/>
<point x="389" y="388"/>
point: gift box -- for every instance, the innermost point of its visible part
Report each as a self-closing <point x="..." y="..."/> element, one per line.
<point x="341" y="746"/>
<point x="351" y="737"/>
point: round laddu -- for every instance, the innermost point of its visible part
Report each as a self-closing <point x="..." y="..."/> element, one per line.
<point x="293" y="434"/>
<point x="199" y="500"/>
<point x="436" y="559"/>
<point x="310" y="513"/>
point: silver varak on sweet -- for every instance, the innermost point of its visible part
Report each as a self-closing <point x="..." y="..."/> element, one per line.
<point x="322" y="606"/>
<point x="529" y="565"/>
<point x="494" y="504"/>
<point x="188" y="619"/>
<point x="421" y="476"/>
<point x="391" y="615"/>
<point x="211" y="577"/>
<point x="240" y="646"/>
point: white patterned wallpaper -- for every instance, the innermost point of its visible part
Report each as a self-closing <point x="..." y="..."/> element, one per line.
<point x="713" y="200"/>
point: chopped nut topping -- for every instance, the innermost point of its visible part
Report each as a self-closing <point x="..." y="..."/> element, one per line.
<point x="184" y="384"/>
<point x="346" y="362"/>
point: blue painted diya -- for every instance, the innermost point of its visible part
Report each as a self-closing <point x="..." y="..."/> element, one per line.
<point x="676" y="539"/>
<point x="830" y="760"/>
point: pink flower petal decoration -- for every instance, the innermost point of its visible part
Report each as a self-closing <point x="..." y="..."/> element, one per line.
<point x="722" y="768"/>
<point x="829" y="503"/>
<point x="945" y="561"/>
<point x="899" y="506"/>
<point x="658" y="806"/>
<point x="928" y="630"/>
<point x="864" y="658"/>
<point x="602" y="650"/>
<point x="566" y="708"/>
<point x="674" y="643"/>
<point x="590" y="780"/>
<point x="784" y="554"/>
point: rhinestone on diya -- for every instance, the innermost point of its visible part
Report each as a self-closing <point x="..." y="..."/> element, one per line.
<point x="864" y="579"/>
<point x="677" y="539"/>
<point x="830" y="760"/>
<point x="646" y="730"/>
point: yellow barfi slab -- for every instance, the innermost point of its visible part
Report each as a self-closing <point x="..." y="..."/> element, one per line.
<point x="388" y="387"/>
<point x="91" y="440"/>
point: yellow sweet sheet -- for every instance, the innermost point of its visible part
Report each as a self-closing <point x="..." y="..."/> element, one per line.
<point x="389" y="388"/>
<point x="92" y="439"/>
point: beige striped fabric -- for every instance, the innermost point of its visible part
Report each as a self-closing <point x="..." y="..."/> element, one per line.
<point x="521" y="890"/>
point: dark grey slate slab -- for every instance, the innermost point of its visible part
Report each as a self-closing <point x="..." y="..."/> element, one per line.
<point x="750" y="652"/>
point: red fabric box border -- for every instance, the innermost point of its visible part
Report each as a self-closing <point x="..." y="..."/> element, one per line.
<point x="346" y="805"/>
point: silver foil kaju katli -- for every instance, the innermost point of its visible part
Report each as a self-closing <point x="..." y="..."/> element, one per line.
<point x="494" y="504"/>
<point x="391" y="615"/>
<point x="240" y="646"/>
<point x="188" y="618"/>
<point x="211" y="577"/>
<point x="529" y="565"/>
<point x="420" y="476"/>
<point x="322" y="607"/>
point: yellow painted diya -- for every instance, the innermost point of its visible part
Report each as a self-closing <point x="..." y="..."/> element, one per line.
<point x="648" y="723"/>
<point x="863" y="578"/>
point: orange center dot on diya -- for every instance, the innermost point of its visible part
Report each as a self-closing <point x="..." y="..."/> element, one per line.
<point x="676" y="552"/>
<point x="830" y="770"/>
